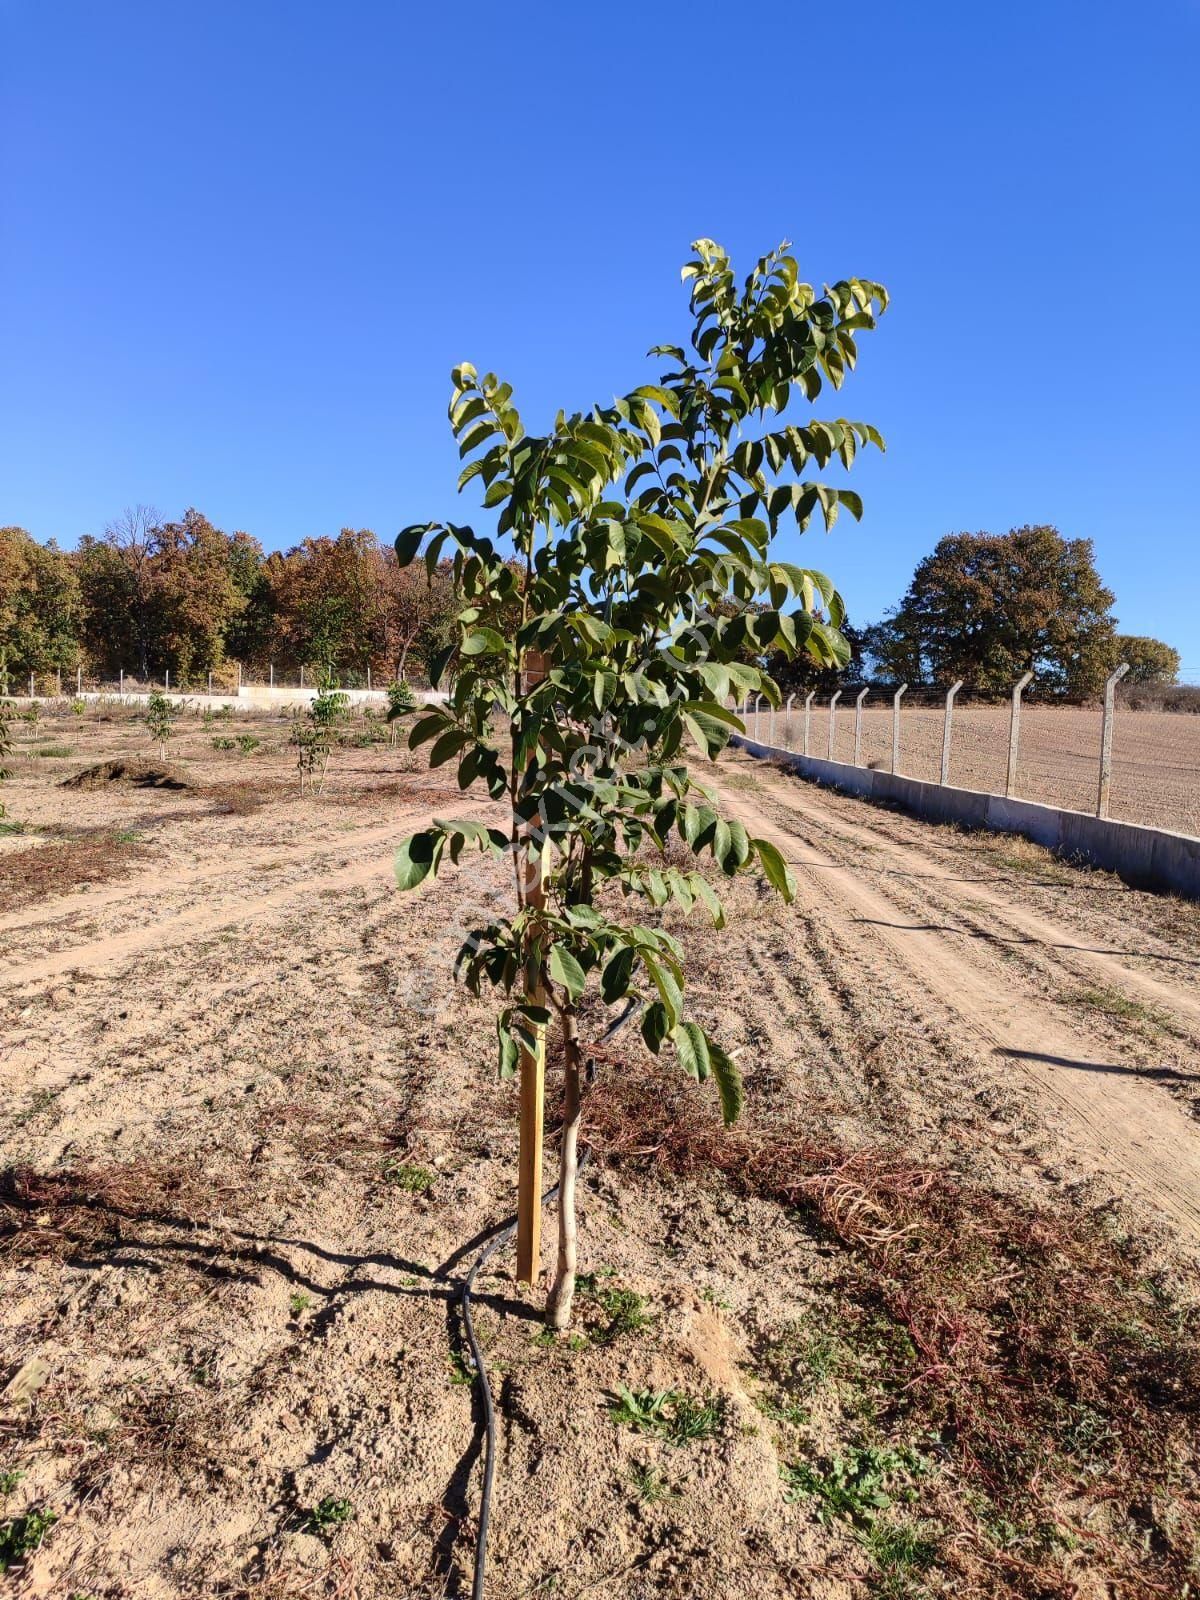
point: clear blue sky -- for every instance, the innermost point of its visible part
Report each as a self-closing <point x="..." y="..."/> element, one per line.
<point x="243" y="241"/>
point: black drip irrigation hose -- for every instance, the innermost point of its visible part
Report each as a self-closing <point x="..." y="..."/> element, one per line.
<point x="485" y="1389"/>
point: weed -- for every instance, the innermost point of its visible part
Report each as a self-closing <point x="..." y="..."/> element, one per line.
<point x="900" y="1550"/>
<point x="9" y="1480"/>
<point x="40" y="1101"/>
<point x="55" y="752"/>
<point x="712" y="1297"/>
<point x="624" y="1308"/>
<point x="327" y="1515"/>
<point x="666" y="1413"/>
<point x="695" y="1419"/>
<point x="549" y="1339"/>
<point x="247" y="743"/>
<point x="1113" y="1003"/>
<point x="299" y="1303"/>
<point x="21" y="1536"/>
<point x="649" y="1484"/>
<point x="854" y="1487"/>
<point x="413" y="1180"/>
<point x="223" y="742"/>
<point x="462" y="1376"/>
<point x="782" y="1411"/>
<point x="643" y="1410"/>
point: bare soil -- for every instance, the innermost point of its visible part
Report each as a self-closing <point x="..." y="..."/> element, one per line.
<point x="252" y="1132"/>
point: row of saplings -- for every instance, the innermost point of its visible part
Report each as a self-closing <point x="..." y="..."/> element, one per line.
<point x="315" y="731"/>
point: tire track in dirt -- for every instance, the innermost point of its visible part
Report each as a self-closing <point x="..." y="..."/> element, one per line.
<point x="211" y="916"/>
<point x="1112" y="1117"/>
<point x="1037" y="937"/>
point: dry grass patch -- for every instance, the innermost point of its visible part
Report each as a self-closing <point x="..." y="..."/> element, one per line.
<point x="1007" y="1375"/>
<point x="56" y="867"/>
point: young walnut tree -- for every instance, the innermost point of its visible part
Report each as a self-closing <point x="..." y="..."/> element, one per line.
<point x="587" y="671"/>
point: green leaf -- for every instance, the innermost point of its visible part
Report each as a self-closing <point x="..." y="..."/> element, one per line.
<point x="668" y="989"/>
<point x="482" y="642"/>
<point x="706" y="893"/>
<point x="408" y="542"/>
<point x="729" y="1082"/>
<point x="615" y="979"/>
<point x="416" y="858"/>
<point x="426" y="728"/>
<point x="656" y="1025"/>
<point x="565" y="970"/>
<point x="450" y="743"/>
<point x="779" y="874"/>
<point x="722" y="847"/>
<point x="691" y="1047"/>
<point x="509" y="1051"/>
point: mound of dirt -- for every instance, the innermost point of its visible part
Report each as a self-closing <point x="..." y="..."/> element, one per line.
<point x="132" y="774"/>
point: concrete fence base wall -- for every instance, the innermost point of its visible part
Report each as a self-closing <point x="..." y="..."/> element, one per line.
<point x="1149" y="857"/>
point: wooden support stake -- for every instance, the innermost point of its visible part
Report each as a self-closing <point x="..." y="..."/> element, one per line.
<point x="529" y="1159"/>
<point x="532" y="1066"/>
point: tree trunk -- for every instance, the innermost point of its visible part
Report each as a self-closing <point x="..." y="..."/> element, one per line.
<point x="558" y="1306"/>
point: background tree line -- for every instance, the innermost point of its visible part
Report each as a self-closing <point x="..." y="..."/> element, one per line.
<point x="987" y="608"/>
<point x="150" y="596"/>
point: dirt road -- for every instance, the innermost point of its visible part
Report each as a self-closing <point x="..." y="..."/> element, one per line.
<point x="249" y="1121"/>
<point x="920" y="914"/>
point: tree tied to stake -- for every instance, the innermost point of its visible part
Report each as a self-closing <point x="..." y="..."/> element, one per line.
<point x="629" y="523"/>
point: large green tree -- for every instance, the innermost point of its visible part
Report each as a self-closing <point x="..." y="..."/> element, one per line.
<point x="163" y="596"/>
<point x="988" y="607"/>
<point x="1149" y="660"/>
<point x="39" y="607"/>
<point x="611" y="646"/>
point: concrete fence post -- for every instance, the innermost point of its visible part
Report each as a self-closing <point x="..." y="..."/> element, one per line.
<point x="833" y="721"/>
<point x="78" y="680"/>
<point x="302" y="677"/>
<point x="787" y="721"/>
<point x="167" y="680"/>
<point x="1014" y="732"/>
<point x="950" y="694"/>
<point x="210" y="683"/>
<point x="31" y="685"/>
<point x="239" y="677"/>
<point x="858" y="705"/>
<point x="896" y="699"/>
<point x="771" y="727"/>
<point x="368" y="679"/>
<point x="272" y="675"/>
<point x="808" y="700"/>
<point x="757" y="703"/>
<point x="1106" y="732"/>
<point x="121" y="683"/>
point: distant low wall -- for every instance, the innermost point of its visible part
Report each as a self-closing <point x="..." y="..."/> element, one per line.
<point x="250" y="697"/>
<point x="1149" y="857"/>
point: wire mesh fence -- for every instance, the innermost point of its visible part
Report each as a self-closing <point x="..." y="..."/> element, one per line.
<point x="1055" y="757"/>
